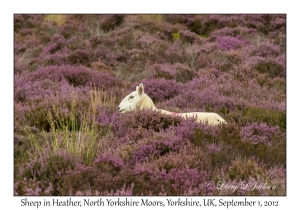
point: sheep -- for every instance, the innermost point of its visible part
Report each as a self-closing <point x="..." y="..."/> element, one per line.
<point x="139" y="99"/>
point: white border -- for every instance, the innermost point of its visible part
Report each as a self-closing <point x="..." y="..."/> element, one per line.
<point x="153" y="6"/>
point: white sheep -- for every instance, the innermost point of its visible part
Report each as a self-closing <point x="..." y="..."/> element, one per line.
<point x="139" y="99"/>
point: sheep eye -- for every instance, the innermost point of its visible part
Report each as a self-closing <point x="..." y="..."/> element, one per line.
<point x="131" y="97"/>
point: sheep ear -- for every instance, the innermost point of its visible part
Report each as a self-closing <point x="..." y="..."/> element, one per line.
<point x="140" y="89"/>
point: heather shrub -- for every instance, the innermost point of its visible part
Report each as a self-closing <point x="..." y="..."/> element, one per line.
<point x="109" y="162"/>
<point x="156" y="148"/>
<point x="21" y="143"/>
<point x="27" y="21"/>
<point x="179" y="72"/>
<point x="266" y="49"/>
<point x="67" y="51"/>
<point x="277" y="176"/>
<point x="229" y="43"/>
<point x="143" y="120"/>
<point x="66" y="141"/>
<point x="44" y="106"/>
<point x="206" y="100"/>
<point x="123" y="38"/>
<point x="101" y="67"/>
<point x="260" y="22"/>
<point x="174" y="54"/>
<point x="235" y="147"/>
<point x="146" y="152"/>
<point x="124" y="191"/>
<point x="128" y="49"/>
<point x="186" y="128"/>
<point x="273" y="68"/>
<point x="234" y="32"/>
<point x="71" y="25"/>
<point x="25" y="31"/>
<point x="204" y="25"/>
<point x="243" y="170"/>
<point x="194" y="157"/>
<point x="109" y="22"/>
<point x="208" y="45"/>
<point x="31" y="187"/>
<point x="203" y="135"/>
<point x="188" y="36"/>
<point x="80" y="57"/>
<point x="30" y="90"/>
<point x="196" y="25"/>
<point x="271" y="117"/>
<point x="78" y="179"/>
<point x="26" y="60"/>
<point x="179" y="182"/>
<point x="48" y="168"/>
<point x="19" y="48"/>
<point x="278" y="84"/>
<point x="226" y="60"/>
<point x="108" y="174"/>
<point x="161" y="89"/>
<point x="174" y="182"/>
<point x="146" y="41"/>
<point x="145" y="181"/>
<point x="255" y="133"/>
<point x="182" y="19"/>
<point x="76" y="76"/>
<point x="160" y="51"/>
<point x="209" y="140"/>
<point x="56" y="44"/>
<point x="103" y="119"/>
<point x="74" y="123"/>
<point x="225" y="144"/>
<point x="279" y="22"/>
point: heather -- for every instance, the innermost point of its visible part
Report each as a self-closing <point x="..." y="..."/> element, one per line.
<point x="72" y="71"/>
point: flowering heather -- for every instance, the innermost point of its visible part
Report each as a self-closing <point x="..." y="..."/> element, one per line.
<point x="234" y="32"/>
<point x="179" y="72"/>
<point x="157" y="148"/>
<point x="229" y="43"/>
<point x="76" y="76"/>
<point x="184" y="180"/>
<point x="145" y="41"/>
<point x="162" y="89"/>
<point x="266" y="49"/>
<point x="72" y="71"/>
<point x="188" y="36"/>
<point x="57" y="43"/>
<point x="142" y="123"/>
<point x="261" y="133"/>
<point x="47" y="169"/>
<point x="31" y="188"/>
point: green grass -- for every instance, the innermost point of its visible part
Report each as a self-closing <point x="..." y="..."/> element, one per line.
<point x="176" y="35"/>
<point x="59" y="19"/>
<point x="80" y="138"/>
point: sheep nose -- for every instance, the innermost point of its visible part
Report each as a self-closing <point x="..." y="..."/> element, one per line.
<point x="118" y="108"/>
